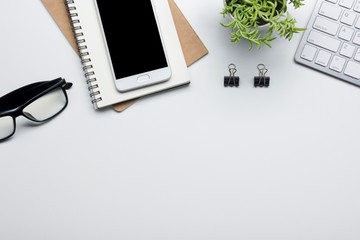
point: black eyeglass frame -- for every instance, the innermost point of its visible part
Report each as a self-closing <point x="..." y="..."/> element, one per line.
<point x="13" y="103"/>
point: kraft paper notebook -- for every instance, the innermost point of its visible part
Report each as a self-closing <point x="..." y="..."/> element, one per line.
<point x="192" y="46"/>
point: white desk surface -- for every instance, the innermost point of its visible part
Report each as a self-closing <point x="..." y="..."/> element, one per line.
<point x="200" y="162"/>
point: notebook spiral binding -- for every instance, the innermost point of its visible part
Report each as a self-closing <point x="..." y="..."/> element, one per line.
<point x="84" y="54"/>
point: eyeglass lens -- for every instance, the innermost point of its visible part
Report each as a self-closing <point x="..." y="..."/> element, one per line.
<point x="39" y="110"/>
<point x="7" y="126"/>
<point x="46" y="106"/>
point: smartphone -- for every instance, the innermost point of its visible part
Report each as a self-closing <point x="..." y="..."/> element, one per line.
<point x="134" y="42"/>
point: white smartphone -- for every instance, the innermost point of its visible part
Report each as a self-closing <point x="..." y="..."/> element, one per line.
<point x="134" y="42"/>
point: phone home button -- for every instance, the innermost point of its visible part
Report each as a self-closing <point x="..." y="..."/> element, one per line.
<point x="143" y="78"/>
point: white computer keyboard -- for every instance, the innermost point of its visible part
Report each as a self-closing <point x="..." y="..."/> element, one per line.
<point x="331" y="43"/>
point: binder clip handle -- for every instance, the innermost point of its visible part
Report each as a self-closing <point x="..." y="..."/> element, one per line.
<point x="232" y="70"/>
<point x="262" y="70"/>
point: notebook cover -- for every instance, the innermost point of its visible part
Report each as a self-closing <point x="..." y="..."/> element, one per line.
<point x="192" y="46"/>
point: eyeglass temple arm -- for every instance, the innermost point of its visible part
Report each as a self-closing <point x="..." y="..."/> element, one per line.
<point x="68" y="85"/>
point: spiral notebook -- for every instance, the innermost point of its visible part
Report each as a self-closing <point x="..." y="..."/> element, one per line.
<point x="96" y="64"/>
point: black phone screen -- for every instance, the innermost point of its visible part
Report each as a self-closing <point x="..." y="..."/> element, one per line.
<point x="132" y="37"/>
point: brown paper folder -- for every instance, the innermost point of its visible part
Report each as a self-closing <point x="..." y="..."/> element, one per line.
<point x="193" y="48"/>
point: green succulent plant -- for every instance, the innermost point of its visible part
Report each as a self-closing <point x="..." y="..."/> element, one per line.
<point x="248" y="15"/>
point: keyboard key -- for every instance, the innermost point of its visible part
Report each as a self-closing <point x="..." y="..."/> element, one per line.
<point x="337" y="64"/>
<point x="347" y="50"/>
<point x="346" y="33"/>
<point x="353" y="70"/>
<point x="346" y="3"/>
<point x="309" y="52"/>
<point x="348" y="18"/>
<point x="357" y="6"/>
<point x="357" y="55"/>
<point x="324" y="41"/>
<point x="323" y="58"/>
<point x="330" y="11"/>
<point x="332" y="1"/>
<point x="326" y="25"/>
<point x="357" y="25"/>
<point x="357" y="38"/>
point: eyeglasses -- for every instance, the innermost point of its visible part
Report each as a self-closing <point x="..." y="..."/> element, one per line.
<point x="37" y="102"/>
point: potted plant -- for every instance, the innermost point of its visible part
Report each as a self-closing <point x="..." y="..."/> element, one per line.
<point x="250" y="17"/>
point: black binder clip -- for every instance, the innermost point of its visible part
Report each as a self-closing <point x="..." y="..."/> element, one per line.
<point x="231" y="80"/>
<point x="262" y="80"/>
